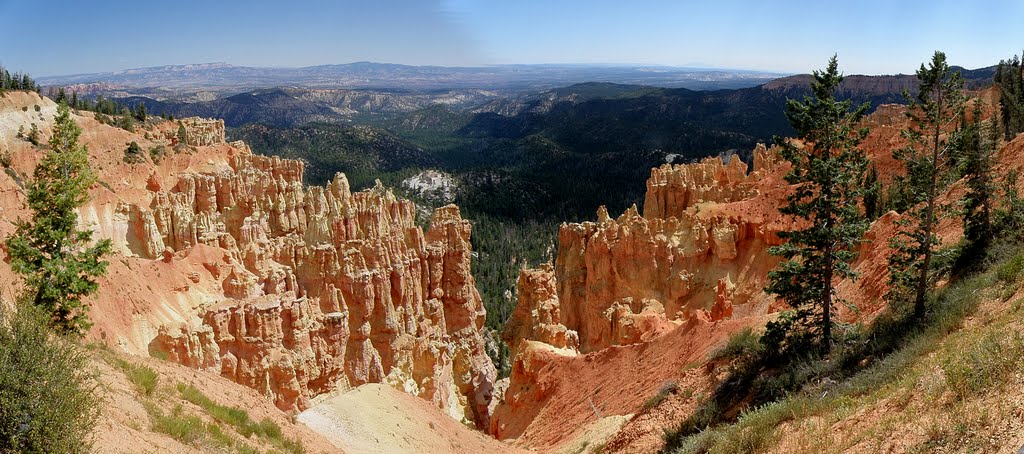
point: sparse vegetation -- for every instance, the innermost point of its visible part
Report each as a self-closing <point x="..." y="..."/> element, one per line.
<point x="983" y="364"/>
<point x="186" y="428"/>
<point x="868" y="361"/>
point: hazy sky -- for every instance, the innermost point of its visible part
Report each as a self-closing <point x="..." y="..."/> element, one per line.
<point x="52" y="37"/>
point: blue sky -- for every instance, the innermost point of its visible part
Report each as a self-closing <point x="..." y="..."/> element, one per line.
<point x="51" y="37"/>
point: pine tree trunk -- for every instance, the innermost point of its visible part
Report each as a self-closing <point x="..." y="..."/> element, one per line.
<point x="826" y="310"/>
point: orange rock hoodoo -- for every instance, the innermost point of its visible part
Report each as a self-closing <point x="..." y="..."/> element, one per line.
<point x="705" y="226"/>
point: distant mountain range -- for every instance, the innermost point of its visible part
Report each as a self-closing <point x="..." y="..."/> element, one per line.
<point x="552" y="151"/>
<point x="222" y="77"/>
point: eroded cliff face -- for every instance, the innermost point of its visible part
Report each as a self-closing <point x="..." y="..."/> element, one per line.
<point x="323" y="287"/>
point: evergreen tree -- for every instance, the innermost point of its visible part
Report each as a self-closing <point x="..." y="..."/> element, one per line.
<point x="927" y="157"/>
<point x="33" y="135"/>
<point x="126" y="121"/>
<point x="1010" y="216"/>
<point x="826" y="176"/>
<point x="55" y="258"/>
<point x="979" y="144"/>
<point x="61" y="96"/>
<point x="182" y="136"/>
<point x="1009" y="77"/>
<point x="140" y="112"/>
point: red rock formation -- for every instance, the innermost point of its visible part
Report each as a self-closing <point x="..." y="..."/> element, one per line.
<point x="324" y="287"/>
<point x="538" y="315"/>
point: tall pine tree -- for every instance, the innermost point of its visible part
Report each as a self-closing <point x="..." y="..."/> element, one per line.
<point x="931" y="142"/>
<point x="58" y="261"/>
<point x="1009" y="78"/>
<point x="826" y="176"/>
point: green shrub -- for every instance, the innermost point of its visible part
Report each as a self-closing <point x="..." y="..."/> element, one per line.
<point x="46" y="399"/>
<point x="125" y="122"/>
<point x="157" y="153"/>
<point x="187" y="429"/>
<point x="741" y="343"/>
<point x="133" y="154"/>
